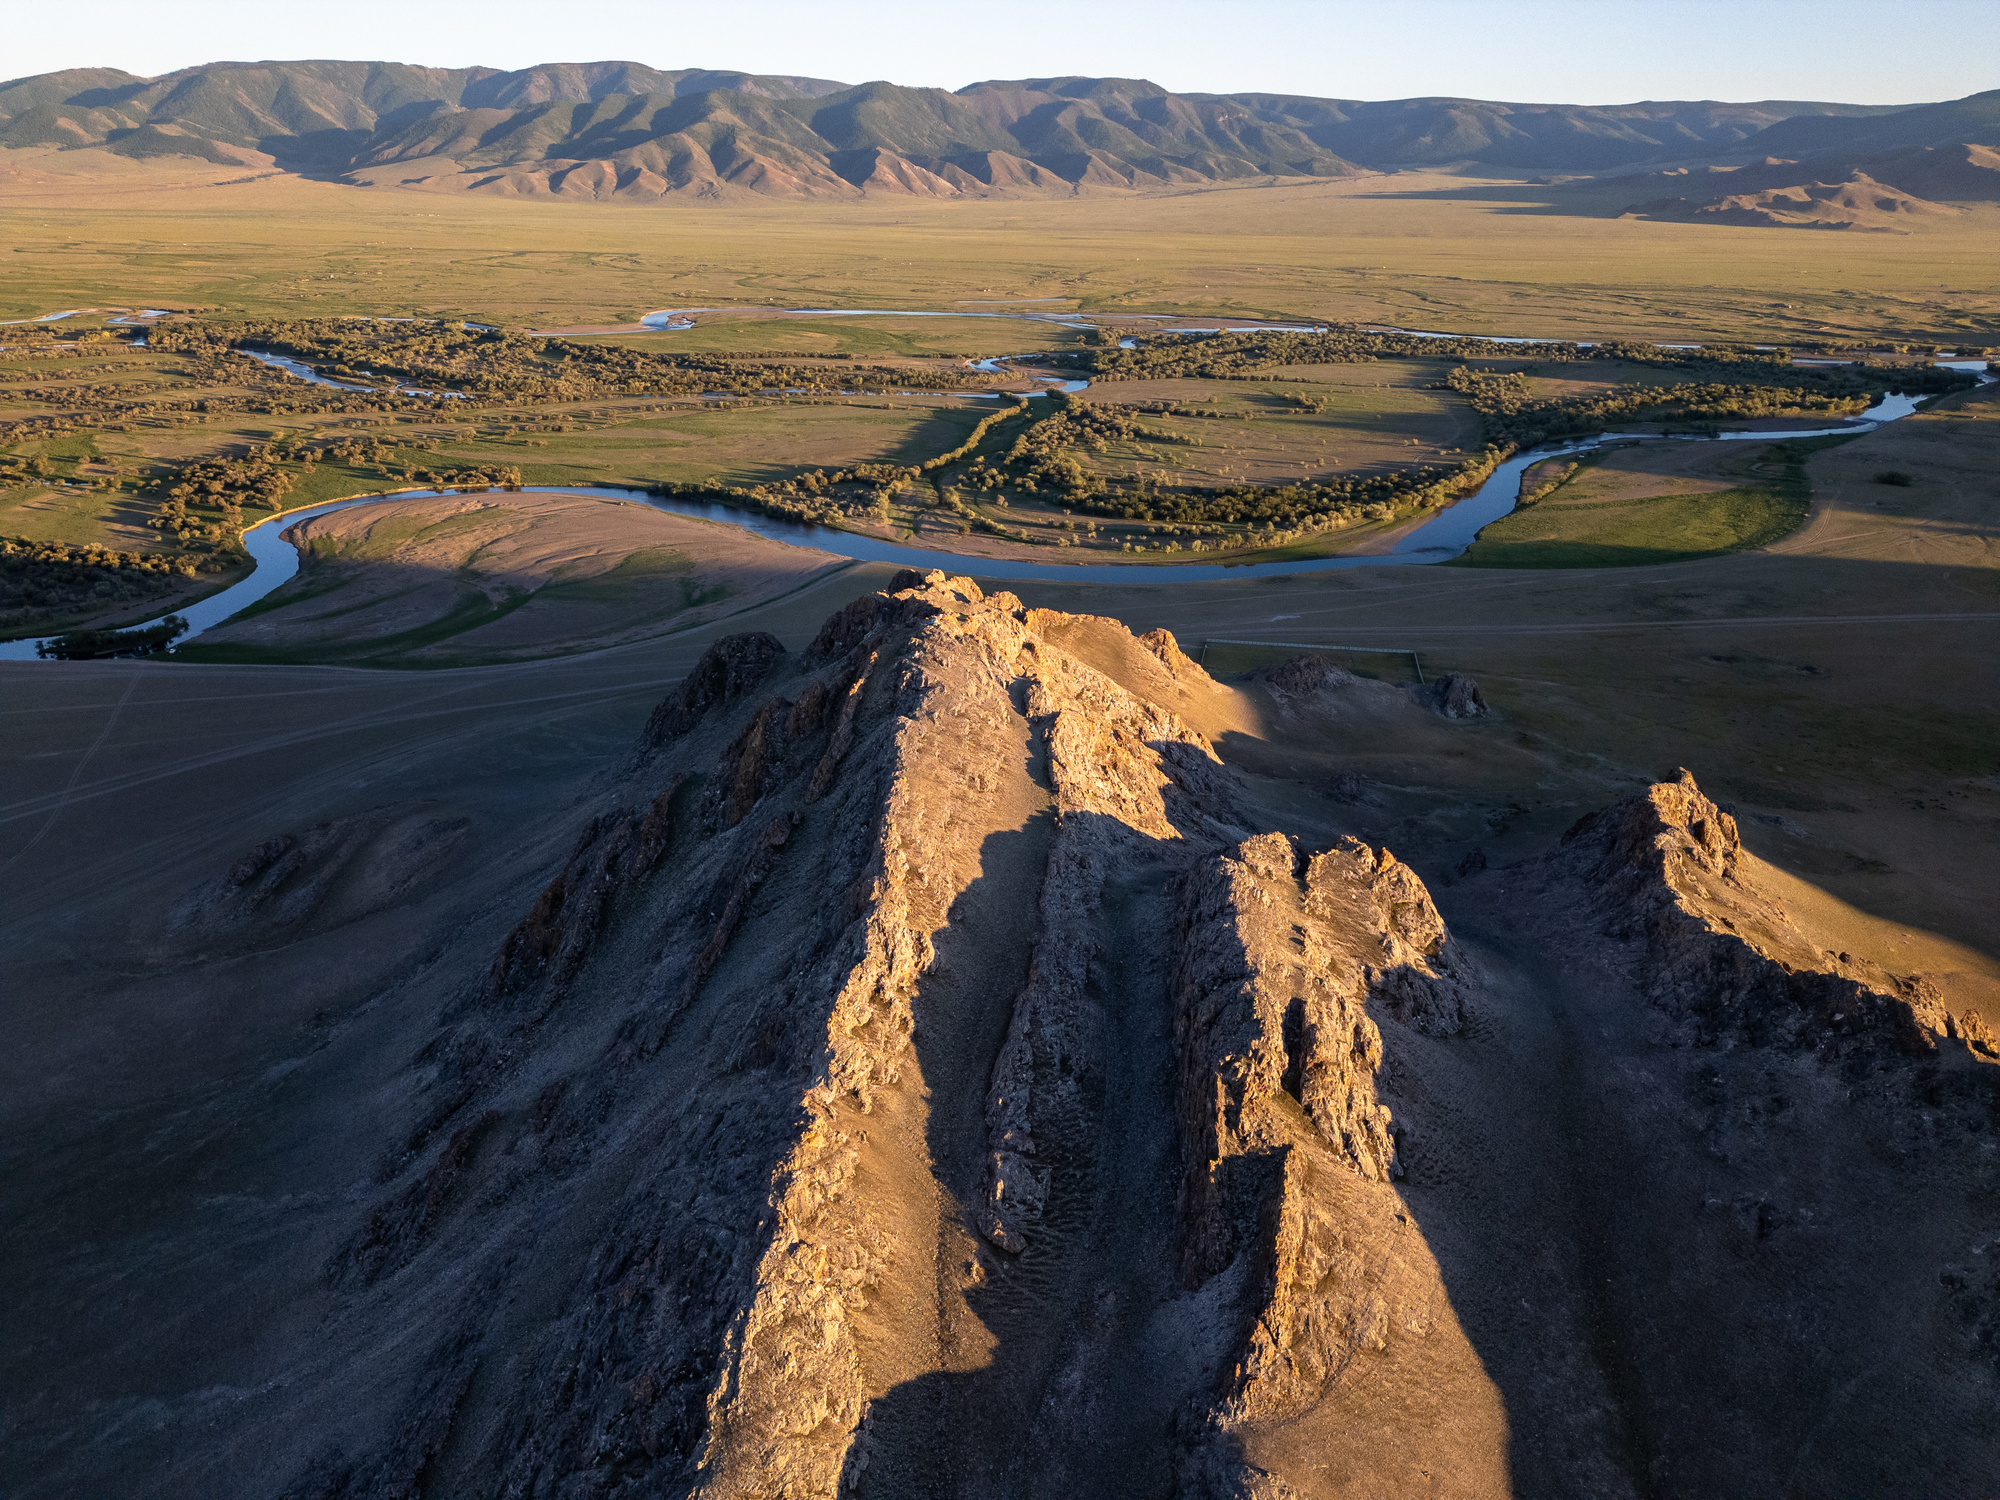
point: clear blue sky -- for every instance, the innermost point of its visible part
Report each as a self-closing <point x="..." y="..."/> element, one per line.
<point x="1571" y="51"/>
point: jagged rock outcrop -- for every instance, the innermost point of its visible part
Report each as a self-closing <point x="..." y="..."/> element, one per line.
<point x="322" y="876"/>
<point x="1751" y="1130"/>
<point x="812" y="1140"/>
<point x="1125" y="776"/>
<point x="1456" y="696"/>
<point x="1180" y="666"/>
<point x="727" y="670"/>
<point x="922" y="1066"/>
<point x="1303" y="678"/>
<point x="1312" y="686"/>
<point x="1724" y="959"/>
<point x="1291" y="968"/>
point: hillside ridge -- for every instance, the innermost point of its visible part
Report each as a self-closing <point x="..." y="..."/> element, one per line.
<point x="622" y="130"/>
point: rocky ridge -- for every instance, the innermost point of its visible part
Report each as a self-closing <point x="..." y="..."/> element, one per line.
<point x="926" y="1071"/>
<point x="794" y="1238"/>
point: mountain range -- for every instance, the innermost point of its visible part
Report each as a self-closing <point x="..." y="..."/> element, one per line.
<point x="623" y="130"/>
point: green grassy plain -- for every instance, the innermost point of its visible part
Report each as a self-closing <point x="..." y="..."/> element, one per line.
<point x="1571" y="528"/>
<point x="1409" y="249"/>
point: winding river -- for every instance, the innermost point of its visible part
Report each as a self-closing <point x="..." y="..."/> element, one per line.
<point x="1444" y="536"/>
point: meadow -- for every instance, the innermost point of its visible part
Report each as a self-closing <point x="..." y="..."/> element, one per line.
<point x="1634" y="507"/>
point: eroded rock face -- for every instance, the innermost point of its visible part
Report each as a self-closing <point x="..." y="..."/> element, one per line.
<point x="322" y="876"/>
<point x="1761" y="1136"/>
<point x="1457" y="696"/>
<point x="1178" y="663"/>
<point x="1297" y="972"/>
<point x="727" y="670"/>
<point x="711" y="1026"/>
<point x="1723" y="957"/>
<point x="1303" y="677"/>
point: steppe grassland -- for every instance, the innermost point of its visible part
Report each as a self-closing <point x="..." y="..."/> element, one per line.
<point x="560" y="443"/>
<point x="1409" y="249"/>
<point x="1309" y="423"/>
<point x="99" y="486"/>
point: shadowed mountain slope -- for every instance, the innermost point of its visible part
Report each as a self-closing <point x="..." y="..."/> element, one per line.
<point x="322" y="112"/>
<point x="1975" y="118"/>
<point x="1444" y="133"/>
<point x="1886" y="191"/>
<point x="1882" y="171"/>
<point x="988" y="140"/>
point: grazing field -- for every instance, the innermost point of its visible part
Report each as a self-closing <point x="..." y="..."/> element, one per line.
<point x="131" y="462"/>
<point x="726" y="446"/>
<point x="1628" y="507"/>
<point x="104" y="430"/>
<point x="1408" y="249"/>
<point x="1297" y="425"/>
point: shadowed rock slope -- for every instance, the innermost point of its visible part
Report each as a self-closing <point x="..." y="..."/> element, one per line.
<point x="927" y="1074"/>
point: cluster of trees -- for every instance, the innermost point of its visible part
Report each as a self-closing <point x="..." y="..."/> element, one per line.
<point x="96" y="645"/>
<point x="1552" y="479"/>
<point x="977" y="436"/>
<point x="45" y="580"/>
<point x="466" y="477"/>
<point x="488" y="365"/>
<point x="1041" y="458"/>
<point x="1242" y="356"/>
<point x="819" y="495"/>
<point x="204" y="499"/>
<point x="15" y="467"/>
<point x="1513" y="417"/>
<point x="231" y="482"/>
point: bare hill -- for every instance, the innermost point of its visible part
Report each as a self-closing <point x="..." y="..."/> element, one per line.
<point x="1880" y="171"/>
<point x="1534" y="138"/>
<point x="322" y="112"/>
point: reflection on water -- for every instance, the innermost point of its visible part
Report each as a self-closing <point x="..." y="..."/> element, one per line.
<point x="307" y="373"/>
<point x="304" y="371"/>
